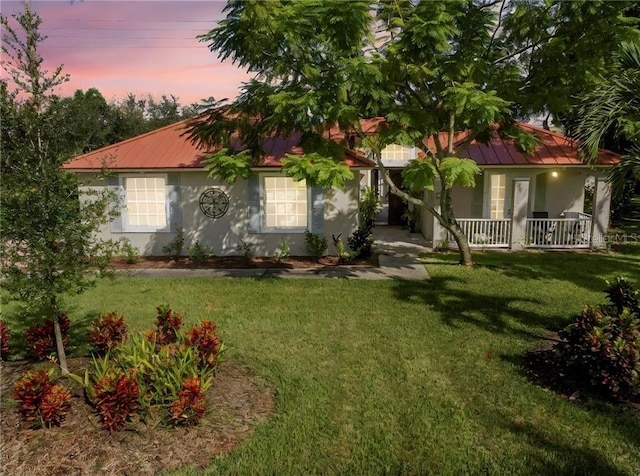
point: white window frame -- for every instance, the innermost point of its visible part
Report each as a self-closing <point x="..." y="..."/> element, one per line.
<point x="505" y="199"/>
<point x="126" y="226"/>
<point x="263" y="212"/>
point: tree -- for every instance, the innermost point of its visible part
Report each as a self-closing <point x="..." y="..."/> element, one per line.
<point x="610" y="114"/>
<point x="47" y="238"/>
<point x="433" y="70"/>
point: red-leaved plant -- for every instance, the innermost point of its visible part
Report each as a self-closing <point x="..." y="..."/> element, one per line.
<point x="168" y="323"/>
<point x="4" y="340"/>
<point x="190" y="405"/>
<point x="39" y="401"/>
<point x="107" y="332"/>
<point x="204" y="340"/>
<point x="115" y="397"/>
<point x="40" y="338"/>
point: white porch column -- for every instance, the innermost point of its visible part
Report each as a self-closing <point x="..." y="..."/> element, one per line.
<point x="439" y="233"/>
<point x="601" y="209"/>
<point x="519" y="216"/>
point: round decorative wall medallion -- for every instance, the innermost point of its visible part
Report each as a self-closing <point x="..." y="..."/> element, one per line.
<point x="214" y="203"/>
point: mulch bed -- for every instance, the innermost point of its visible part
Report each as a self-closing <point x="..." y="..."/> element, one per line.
<point x="238" y="400"/>
<point x="238" y="262"/>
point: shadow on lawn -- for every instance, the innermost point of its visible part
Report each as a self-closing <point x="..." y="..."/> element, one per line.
<point x="488" y="312"/>
<point x="583" y="269"/>
<point x="20" y="319"/>
<point x="541" y="368"/>
<point x="549" y="453"/>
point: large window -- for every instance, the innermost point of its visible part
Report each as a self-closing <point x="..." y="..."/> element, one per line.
<point x="498" y="193"/>
<point x="146" y="202"/>
<point x="285" y="203"/>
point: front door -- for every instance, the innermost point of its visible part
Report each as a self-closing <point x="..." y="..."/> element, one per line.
<point x="396" y="204"/>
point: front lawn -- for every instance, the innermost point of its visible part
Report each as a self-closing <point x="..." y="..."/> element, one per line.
<point x="376" y="377"/>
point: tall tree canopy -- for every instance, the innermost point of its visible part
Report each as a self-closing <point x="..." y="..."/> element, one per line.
<point x="609" y="115"/>
<point x="47" y="239"/>
<point x="431" y="69"/>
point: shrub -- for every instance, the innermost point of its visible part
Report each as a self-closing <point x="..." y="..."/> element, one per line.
<point x="131" y="253"/>
<point x="174" y="247"/>
<point x="107" y="332"/>
<point x="172" y="377"/>
<point x="190" y="405"/>
<point x="603" y="345"/>
<point x="168" y="324"/>
<point x="369" y="207"/>
<point x="39" y="401"/>
<point x="246" y="248"/>
<point x="40" y="339"/>
<point x="4" y="340"/>
<point x="199" y="253"/>
<point x="315" y="244"/>
<point x="344" y="256"/>
<point x="204" y="340"/>
<point x="115" y="398"/>
<point x="284" y="252"/>
<point x="621" y="294"/>
<point x="361" y="241"/>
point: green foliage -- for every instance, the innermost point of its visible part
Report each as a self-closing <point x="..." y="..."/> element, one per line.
<point x="175" y="246"/>
<point x="284" y="252"/>
<point x="419" y="176"/>
<point x="622" y="294"/>
<point x="107" y="332"/>
<point x="40" y="402"/>
<point x="344" y="256"/>
<point x="457" y="171"/>
<point x="315" y="244"/>
<point x="228" y="165"/>
<point x="369" y="206"/>
<point x="131" y="253"/>
<point x="48" y="230"/>
<point x="525" y="142"/>
<point x="246" y="248"/>
<point x="317" y="170"/>
<point x="361" y="241"/>
<point x="199" y="253"/>
<point x="165" y="378"/>
<point x="603" y="345"/>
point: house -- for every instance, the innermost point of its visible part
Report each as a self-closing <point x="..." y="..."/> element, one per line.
<point x="164" y="188"/>
<point x="550" y="199"/>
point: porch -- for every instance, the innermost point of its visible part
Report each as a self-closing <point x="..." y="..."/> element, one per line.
<point x="574" y="230"/>
<point x="503" y="216"/>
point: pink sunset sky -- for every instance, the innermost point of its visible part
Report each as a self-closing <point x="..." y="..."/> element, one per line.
<point x="142" y="47"/>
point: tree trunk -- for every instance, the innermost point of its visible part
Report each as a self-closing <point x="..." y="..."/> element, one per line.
<point x="62" y="356"/>
<point x="446" y="216"/>
<point x="451" y="225"/>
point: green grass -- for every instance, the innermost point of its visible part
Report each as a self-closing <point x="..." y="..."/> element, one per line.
<point x="378" y="377"/>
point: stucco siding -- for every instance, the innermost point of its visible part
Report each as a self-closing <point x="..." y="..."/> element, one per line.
<point x="224" y="235"/>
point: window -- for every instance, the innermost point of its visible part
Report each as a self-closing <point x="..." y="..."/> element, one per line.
<point x="397" y="152"/>
<point x="498" y="193"/>
<point x="285" y="203"/>
<point x="146" y="203"/>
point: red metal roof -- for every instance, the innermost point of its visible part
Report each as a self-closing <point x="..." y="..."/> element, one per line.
<point x="169" y="148"/>
<point x="554" y="150"/>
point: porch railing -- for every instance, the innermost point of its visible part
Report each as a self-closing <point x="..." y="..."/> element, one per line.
<point x="559" y="232"/>
<point x="485" y="232"/>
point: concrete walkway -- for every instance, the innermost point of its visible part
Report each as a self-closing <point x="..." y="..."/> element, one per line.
<point x="398" y="259"/>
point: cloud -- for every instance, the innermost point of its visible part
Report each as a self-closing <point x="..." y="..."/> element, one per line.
<point x="139" y="46"/>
